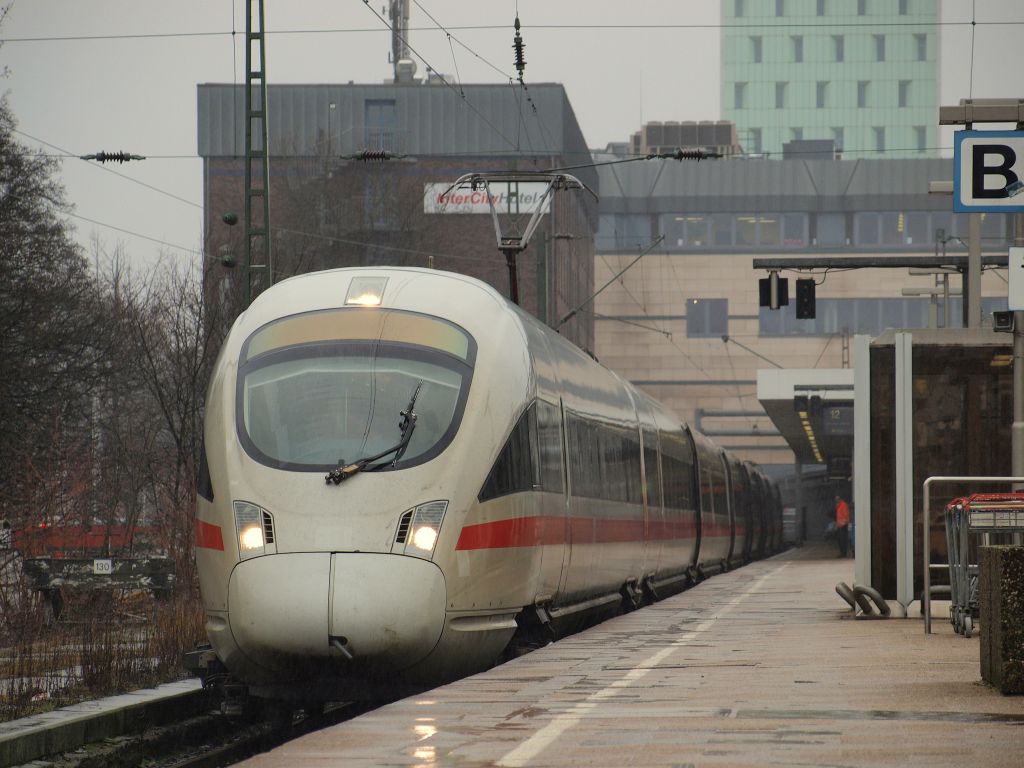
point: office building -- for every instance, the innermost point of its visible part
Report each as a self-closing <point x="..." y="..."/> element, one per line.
<point x="862" y="73"/>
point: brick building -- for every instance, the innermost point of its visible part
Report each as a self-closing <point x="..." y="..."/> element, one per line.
<point x="329" y="210"/>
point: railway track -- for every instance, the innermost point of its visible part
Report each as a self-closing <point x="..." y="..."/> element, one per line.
<point x="207" y="740"/>
<point x="236" y="745"/>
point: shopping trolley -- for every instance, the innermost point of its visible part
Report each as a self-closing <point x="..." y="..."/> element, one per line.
<point x="986" y="513"/>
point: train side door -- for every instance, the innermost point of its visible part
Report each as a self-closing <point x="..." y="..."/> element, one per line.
<point x="566" y="506"/>
<point x="696" y="480"/>
<point x="654" y="519"/>
<point x="554" y="498"/>
<point x="728" y="494"/>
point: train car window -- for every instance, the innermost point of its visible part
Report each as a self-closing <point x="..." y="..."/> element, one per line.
<point x="204" y="485"/>
<point x="516" y="468"/>
<point x="604" y="460"/>
<point x="314" y="395"/>
<point x="584" y="456"/>
<point x="718" y="487"/>
<point x="707" y="495"/>
<point x="678" y="471"/>
<point x="549" y="434"/>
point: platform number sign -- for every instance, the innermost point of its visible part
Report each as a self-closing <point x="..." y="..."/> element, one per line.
<point x="988" y="171"/>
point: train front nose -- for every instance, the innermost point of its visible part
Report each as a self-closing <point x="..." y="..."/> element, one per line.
<point x="372" y="611"/>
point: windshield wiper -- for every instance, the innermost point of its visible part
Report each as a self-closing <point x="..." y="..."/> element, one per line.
<point x="406" y="427"/>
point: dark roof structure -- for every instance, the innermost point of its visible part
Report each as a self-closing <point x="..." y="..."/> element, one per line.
<point x="664" y="186"/>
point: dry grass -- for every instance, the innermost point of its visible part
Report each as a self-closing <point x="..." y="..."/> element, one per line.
<point x="103" y="643"/>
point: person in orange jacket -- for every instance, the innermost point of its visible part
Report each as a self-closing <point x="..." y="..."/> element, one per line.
<point x="842" y="525"/>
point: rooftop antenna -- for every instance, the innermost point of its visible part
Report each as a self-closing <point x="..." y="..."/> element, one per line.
<point x="401" y="55"/>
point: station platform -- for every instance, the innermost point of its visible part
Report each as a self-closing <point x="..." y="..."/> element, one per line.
<point x="764" y="665"/>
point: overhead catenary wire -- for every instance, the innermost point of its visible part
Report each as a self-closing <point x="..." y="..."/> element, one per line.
<point x="452" y="37"/>
<point x="67" y="153"/>
<point x="490" y="27"/>
<point x="595" y="294"/>
<point x="521" y="126"/>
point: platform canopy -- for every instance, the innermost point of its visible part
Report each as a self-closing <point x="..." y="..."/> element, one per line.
<point x="813" y="409"/>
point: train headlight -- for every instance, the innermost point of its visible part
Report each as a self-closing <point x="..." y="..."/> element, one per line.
<point x="366" y="291"/>
<point x="423" y="528"/>
<point x="424" y="538"/>
<point x="254" y="529"/>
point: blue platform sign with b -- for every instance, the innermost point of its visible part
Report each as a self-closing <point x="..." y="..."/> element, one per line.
<point x="988" y="171"/>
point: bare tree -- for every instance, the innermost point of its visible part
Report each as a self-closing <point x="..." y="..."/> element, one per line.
<point x="175" y="335"/>
<point x="55" y="324"/>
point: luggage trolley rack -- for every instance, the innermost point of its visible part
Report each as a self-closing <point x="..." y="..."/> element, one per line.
<point x="979" y="513"/>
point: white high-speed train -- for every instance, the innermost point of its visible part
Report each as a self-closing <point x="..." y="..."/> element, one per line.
<point x="405" y="476"/>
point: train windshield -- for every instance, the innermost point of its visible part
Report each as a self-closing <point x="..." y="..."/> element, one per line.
<point x="315" y="404"/>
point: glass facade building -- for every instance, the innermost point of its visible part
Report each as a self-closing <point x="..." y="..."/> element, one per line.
<point x="863" y="73"/>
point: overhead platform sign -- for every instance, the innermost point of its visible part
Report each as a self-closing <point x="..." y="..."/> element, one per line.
<point x="988" y="172"/>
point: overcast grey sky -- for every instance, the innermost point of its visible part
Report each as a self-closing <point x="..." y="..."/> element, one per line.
<point x="138" y="94"/>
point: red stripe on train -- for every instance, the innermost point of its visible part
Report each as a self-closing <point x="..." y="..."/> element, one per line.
<point x="208" y="536"/>
<point x="538" y="530"/>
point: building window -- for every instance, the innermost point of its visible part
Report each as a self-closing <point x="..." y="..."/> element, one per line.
<point x="794" y="229"/>
<point x="831" y="229"/>
<point x="796" y="134"/>
<point x="780" y="7"/>
<point x="755" y="140"/>
<point x="879" y="47"/>
<point x="780" y="95"/>
<point x="865" y="228"/>
<point x="620" y="231"/>
<point x="798" y="48"/>
<point x="839" y="46"/>
<point x="721" y="229"/>
<point x="821" y="7"/>
<point x="686" y="230"/>
<point x="739" y="91"/>
<point x="904" y="92"/>
<point x="893" y="226"/>
<point x="921" y="137"/>
<point x="862" y="94"/>
<point x="757" y="48"/>
<point x="862" y="7"/>
<point x="379" y="124"/>
<point x="837" y="137"/>
<point x="915" y="231"/>
<point x="697" y="231"/>
<point x="903" y="7"/>
<point x="879" y="131"/>
<point x="707" y="317"/>
<point x="921" y="43"/>
<point x="739" y="9"/>
<point x="770" y="230"/>
<point x="821" y="92"/>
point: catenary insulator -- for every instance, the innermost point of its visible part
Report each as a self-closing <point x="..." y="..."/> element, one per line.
<point x="519" y="46"/>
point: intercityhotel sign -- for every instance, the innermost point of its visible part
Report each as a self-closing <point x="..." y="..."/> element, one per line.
<point x="507" y="197"/>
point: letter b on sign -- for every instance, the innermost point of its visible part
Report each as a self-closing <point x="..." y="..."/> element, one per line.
<point x="988" y="171"/>
<point x="991" y="171"/>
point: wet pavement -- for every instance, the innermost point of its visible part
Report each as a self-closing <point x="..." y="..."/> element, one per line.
<point x="763" y="666"/>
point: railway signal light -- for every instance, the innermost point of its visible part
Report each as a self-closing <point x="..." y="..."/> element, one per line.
<point x="773" y="291"/>
<point x="805" y="299"/>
